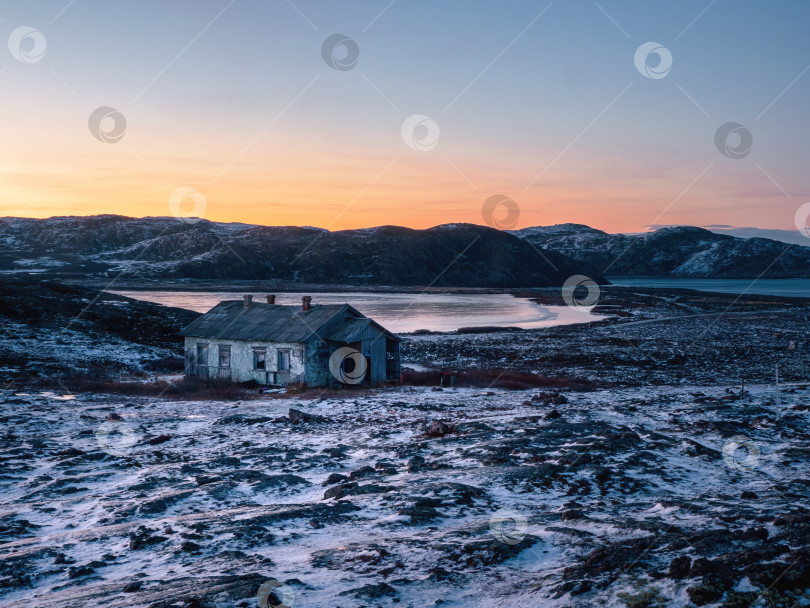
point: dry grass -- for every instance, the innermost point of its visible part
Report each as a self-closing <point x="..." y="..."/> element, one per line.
<point x="195" y="389"/>
<point x="495" y="379"/>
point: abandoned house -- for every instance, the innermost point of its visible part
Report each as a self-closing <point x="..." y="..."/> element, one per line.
<point x="321" y="345"/>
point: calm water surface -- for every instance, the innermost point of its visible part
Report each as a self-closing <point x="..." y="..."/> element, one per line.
<point x="401" y="312"/>
<point x="767" y="287"/>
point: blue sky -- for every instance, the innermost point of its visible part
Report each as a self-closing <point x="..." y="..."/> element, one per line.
<point x="538" y="101"/>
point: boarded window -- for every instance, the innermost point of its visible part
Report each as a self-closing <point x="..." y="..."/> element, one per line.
<point x="224" y="355"/>
<point x="202" y="354"/>
<point x="283" y="360"/>
<point x="259" y="359"/>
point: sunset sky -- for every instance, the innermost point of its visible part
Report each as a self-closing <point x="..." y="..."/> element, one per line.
<point x="534" y="100"/>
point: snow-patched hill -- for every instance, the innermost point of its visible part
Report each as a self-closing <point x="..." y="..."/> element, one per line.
<point x="682" y="251"/>
<point x="457" y="255"/>
<point x="167" y="248"/>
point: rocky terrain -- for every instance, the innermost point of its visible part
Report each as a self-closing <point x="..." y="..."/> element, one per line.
<point x="633" y="497"/>
<point x="682" y="251"/>
<point x="52" y="330"/>
<point x="654" y="479"/>
<point x="107" y="246"/>
<point x="649" y="336"/>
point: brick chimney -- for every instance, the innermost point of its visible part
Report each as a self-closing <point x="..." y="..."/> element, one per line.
<point x="248" y="300"/>
<point x="306" y="303"/>
<point x="271" y="299"/>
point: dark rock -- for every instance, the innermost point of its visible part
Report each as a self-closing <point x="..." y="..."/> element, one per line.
<point x="553" y="415"/>
<point x="550" y="398"/>
<point x="132" y="587"/>
<point x="485" y="552"/>
<point x="570" y="531"/>
<point x="77" y="571"/>
<point x="702" y="566"/>
<point x="158" y="440"/>
<point x="572" y="514"/>
<point x="747" y="495"/>
<point x="372" y="591"/>
<point x="334" y="478"/>
<point x="142" y="537"/>
<point x="339" y="490"/>
<point x="416" y="464"/>
<point x="704" y="594"/>
<point x="575" y="588"/>
<point x="438" y="428"/>
<point x="362" y="472"/>
<point x="189" y="546"/>
<point x="602" y="475"/>
<point x="419" y="514"/>
<point x="337" y="452"/>
<point x="297" y="417"/>
<point x="352" y="488"/>
<point x="679" y="567"/>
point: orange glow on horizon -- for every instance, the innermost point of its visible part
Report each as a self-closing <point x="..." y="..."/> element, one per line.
<point x="303" y="181"/>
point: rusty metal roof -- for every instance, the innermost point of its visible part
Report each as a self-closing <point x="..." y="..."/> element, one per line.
<point x="260" y="322"/>
<point x="349" y="329"/>
<point x="230" y="320"/>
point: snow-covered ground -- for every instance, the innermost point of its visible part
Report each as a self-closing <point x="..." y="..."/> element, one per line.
<point x="620" y="497"/>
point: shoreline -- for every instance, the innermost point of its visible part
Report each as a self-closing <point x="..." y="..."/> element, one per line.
<point x="196" y="286"/>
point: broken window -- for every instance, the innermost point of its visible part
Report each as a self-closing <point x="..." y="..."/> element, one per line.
<point x="224" y="355"/>
<point x="284" y="360"/>
<point x="202" y="353"/>
<point x="259" y="358"/>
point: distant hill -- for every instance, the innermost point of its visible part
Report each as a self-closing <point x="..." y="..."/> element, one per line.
<point x="681" y="251"/>
<point x="456" y="255"/>
<point x="451" y="255"/>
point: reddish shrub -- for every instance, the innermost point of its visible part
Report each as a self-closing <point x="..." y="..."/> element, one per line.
<point x="493" y="379"/>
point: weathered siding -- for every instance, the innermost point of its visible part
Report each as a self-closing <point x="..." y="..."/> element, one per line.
<point x="317" y="355"/>
<point x="372" y="341"/>
<point x="372" y="347"/>
<point x="241" y="369"/>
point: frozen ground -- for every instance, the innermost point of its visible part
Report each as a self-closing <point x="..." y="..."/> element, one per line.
<point x="653" y="337"/>
<point x="620" y="497"/>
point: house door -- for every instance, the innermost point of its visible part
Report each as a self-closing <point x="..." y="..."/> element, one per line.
<point x="283" y="375"/>
<point x="202" y="360"/>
